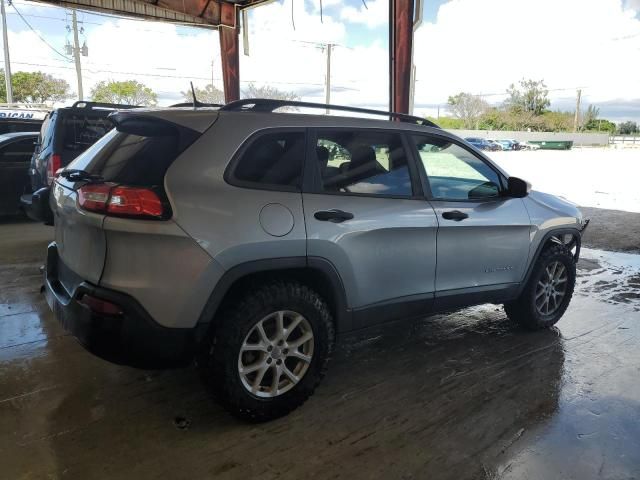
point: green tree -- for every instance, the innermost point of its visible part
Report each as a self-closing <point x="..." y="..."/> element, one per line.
<point x="557" y="121"/>
<point x="35" y="87"/>
<point x="494" y="119"/>
<point x="130" y="92"/>
<point x="265" y="91"/>
<point x="628" y="128"/>
<point x="208" y="94"/>
<point x="449" y="123"/>
<point x="467" y="107"/>
<point x="600" y="125"/>
<point x="590" y="114"/>
<point x="530" y="96"/>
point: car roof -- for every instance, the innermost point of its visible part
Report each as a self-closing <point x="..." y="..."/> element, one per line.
<point x="199" y="119"/>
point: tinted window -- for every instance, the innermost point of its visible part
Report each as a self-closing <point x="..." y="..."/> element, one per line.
<point x="363" y="162"/>
<point x="81" y="131"/>
<point x="19" y="151"/>
<point x="455" y="173"/>
<point x="46" y="133"/>
<point x="133" y="159"/>
<point x="272" y="159"/>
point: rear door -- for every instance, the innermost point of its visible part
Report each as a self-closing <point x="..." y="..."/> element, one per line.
<point x="483" y="238"/>
<point x="79" y="235"/>
<point x="365" y="213"/>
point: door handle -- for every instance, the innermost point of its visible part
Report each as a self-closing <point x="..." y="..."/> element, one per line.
<point x="456" y="215"/>
<point x="335" y="216"/>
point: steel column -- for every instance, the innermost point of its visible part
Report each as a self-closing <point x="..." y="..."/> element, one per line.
<point x="400" y="45"/>
<point x="230" y="54"/>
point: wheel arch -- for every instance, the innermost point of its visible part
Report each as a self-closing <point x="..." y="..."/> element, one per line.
<point x="317" y="272"/>
<point x="553" y="237"/>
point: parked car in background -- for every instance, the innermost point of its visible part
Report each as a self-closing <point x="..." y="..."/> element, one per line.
<point x="16" y="150"/>
<point x="529" y="146"/>
<point x="495" y="145"/>
<point x="482" y="144"/>
<point x="515" y="143"/>
<point x="65" y="134"/>
<point x="507" y="144"/>
<point x="17" y="117"/>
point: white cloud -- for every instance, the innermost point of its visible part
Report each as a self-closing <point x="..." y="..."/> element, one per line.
<point x="374" y="14"/>
<point x="295" y="59"/>
<point x="479" y="47"/>
<point x="482" y="47"/>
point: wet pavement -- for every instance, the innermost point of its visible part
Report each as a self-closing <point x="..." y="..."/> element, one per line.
<point x="461" y="396"/>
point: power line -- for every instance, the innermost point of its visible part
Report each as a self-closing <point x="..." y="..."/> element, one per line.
<point x="37" y="34"/>
<point x="86" y="22"/>
<point x="115" y="72"/>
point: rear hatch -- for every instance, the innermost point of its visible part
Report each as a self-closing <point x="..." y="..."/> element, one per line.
<point x="121" y="175"/>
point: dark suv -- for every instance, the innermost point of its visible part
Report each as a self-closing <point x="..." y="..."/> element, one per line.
<point x="65" y="134"/>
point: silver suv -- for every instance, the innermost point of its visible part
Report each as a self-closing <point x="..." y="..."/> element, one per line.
<point x="246" y="239"/>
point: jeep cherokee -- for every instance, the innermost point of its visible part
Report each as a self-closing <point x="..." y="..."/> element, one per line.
<point x="246" y="239"/>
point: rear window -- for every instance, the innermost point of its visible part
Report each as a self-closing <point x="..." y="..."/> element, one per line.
<point x="271" y="161"/>
<point x="134" y="159"/>
<point x="79" y="131"/>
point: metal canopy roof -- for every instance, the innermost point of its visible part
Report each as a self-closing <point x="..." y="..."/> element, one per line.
<point x="211" y="13"/>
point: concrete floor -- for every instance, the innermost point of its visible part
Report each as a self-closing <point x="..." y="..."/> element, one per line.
<point x="463" y="396"/>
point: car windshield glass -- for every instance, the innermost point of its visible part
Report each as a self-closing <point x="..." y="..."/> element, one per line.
<point x="81" y="131"/>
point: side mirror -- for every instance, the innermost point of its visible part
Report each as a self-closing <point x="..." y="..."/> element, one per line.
<point x="518" y="188"/>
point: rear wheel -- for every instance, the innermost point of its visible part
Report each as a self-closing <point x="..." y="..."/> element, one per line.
<point x="548" y="291"/>
<point x="269" y="351"/>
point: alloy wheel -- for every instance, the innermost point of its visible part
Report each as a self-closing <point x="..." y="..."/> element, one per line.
<point x="551" y="288"/>
<point x="276" y="354"/>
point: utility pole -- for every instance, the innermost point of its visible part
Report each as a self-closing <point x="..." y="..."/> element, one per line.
<point x="7" y="60"/>
<point x="76" y="53"/>
<point x="328" y="76"/>
<point x="577" y="116"/>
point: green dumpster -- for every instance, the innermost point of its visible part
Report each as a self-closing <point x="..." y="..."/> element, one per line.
<point x="554" y="144"/>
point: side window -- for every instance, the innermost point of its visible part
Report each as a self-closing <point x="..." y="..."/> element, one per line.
<point x="46" y="133"/>
<point x="362" y="162"/>
<point x="455" y="173"/>
<point x="17" y="152"/>
<point x="272" y="160"/>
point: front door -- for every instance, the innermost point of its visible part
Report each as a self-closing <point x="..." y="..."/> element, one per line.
<point x="365" y="213"/>
<point x="483" y="238"/>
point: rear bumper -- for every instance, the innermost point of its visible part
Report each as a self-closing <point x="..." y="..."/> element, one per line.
<point x="131" y="338"/>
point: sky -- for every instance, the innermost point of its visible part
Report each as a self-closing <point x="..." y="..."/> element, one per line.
<point x="475" y="46"/>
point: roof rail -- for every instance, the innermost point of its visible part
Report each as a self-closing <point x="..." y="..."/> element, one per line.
<point x="91" y="105"/>
<point x="269" y="105"/>
<point x="197" y="104"/>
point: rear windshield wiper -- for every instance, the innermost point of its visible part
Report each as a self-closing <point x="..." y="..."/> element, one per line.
<point x="81" y="176"/>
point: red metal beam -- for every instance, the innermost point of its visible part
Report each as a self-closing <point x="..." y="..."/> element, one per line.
<point x="400" y="45"/>
<point x="230" y="54"/>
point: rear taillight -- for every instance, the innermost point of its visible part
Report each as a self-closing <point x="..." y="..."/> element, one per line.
<point x="134" y="201"/>
<point x="54" y="164"/>
<point x="94" y="197"/>
<point x="120" y="200"/>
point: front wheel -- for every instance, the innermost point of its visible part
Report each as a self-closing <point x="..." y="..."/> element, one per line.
<point x="548" y="292"/>
<point x="269" y="351"/>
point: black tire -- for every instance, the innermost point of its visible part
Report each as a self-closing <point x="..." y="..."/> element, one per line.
<point x="218" y="360"/>
<point x="523" y="310"/>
